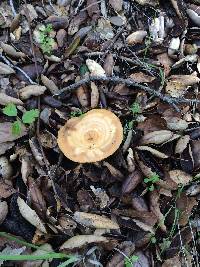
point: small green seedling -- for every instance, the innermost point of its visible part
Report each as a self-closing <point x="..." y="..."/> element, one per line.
<point x="76" y="113"/>
<point x="135" y="108"/>
<point x="27" y="118"/>
<point x="151" y="181"/>
<point x="129" y="262"/>
<point x="46" y="42"/>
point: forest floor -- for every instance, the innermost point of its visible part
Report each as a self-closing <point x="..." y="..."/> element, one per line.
<point x="130" y="198"/>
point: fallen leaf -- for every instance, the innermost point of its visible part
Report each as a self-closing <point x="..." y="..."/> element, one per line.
<point x="5" y="69"/>
<point x="31" y="90"/>
<point x="172" y="262"/>
<point x="6" y="99"/>
<point x="6" y="146"/>
<point x="156" y="137"/>
<point x="6" y="169"/>
<point x="140" y="77"/>
<point x="180" y="177"/>
<point x="11" y="51"/>
<point x="53" y="88"/>
<point x="116" y="4"/>
<point x="94" y="220"/>
<point x="181" y="144"/>
<point x="82" y="240"/>
<point x="94" y="68"/>
<point x="3" y="211"/>
<point x="176" y="124"/>
<point x="6" y="190"/>
<point x="177" y="85"/>
<point x="30" y="215"/>
<point x="132" y="180"/>
<point x="94" y="95"/>
<point x="153" y="151"/>
<point x="136" y="37"/>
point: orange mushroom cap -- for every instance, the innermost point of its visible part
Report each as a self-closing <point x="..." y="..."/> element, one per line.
<point x="91" y="137"/>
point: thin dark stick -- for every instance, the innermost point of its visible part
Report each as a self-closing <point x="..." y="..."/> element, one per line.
<point x="129" y="82"/>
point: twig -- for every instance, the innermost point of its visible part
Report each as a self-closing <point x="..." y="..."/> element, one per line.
<point x="12" y="8"/>
<point x="129" y="82"/>
<point x="17" y="68"/>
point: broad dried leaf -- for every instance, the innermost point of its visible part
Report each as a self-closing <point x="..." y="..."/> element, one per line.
<point x="94" y="220"/>
<point x="93" y="9"/>
<point x="6" y="146"/>
<point x="6" y="170"/>
<point x="180" y="177"/>
<point x="166" y="61"/>
<point x="5" y="69"/>
<point x="147" y="2"/>
<point x="30" y="215"/>
<point x="157" y="137"/>
<point x="131" y="182"/>
<point x="94" y="68"/>
<point x="82" y="240"/>
<point x="177" y="85"/>
<point x="31" y="90"/>
<point x="140" y="77"/>
<point x="109" y="64"/>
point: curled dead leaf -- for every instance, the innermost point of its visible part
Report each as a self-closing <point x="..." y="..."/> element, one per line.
<point x="94" y="220"/>
<point x="11" y="51"/>
<point x="82" y="240"/>
<point x="30" y="215"/>
<point x="176" y="124"/>
<point x="3" y="211"/>
<point x="6" y="169"/>
<point x="141" y="77"/>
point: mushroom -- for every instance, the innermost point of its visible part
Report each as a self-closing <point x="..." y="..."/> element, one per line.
<point x="91" y="137"/>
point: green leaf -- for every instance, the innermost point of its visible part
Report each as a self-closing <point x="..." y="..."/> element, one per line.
<point x="146" y="180"/>
<point x="10" y="110"/>
<point x="30" y="116"/>
<point x="16" y="127"/>
<point x="151" y="188"/>
<point x="135" y="108"/>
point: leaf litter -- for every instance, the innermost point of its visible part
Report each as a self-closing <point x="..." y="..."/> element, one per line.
<point x="138" y="59"/>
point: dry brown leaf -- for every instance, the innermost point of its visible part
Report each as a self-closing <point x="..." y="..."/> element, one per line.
<point x="157" y="137"/>
<point x="6" y="169"/>
<point x="155" y="208"/>
<point x="185" y="205"/>
<point x="37" y="198"/>
<point x="31" y="90"/>
<point x="3" y="211"/>
<point x="94" y="95"/>
<point x="6" y="99"/>
<point x="141" y="77"/>
<point x="30" y="215"/>
<point x="136" y="37"/>
<point x="94" y="68"/>
<point x="11" y="51"/>
<point x="5" y="69"/>
<point x="82" y="240"/>
<point x="26" y="167"/>
<point x="132" y="180"/>
<point x="147" y="2"/>
<point x="177" y="85"/>
<point x="166" y="61"/>
<point x="176" y="124"/>
<point x="172" y="262"/>
<point x="109" y="64"/>
<point x="82" y="95"/>
<point x="94" y="220"/>
<point x="182" y="144"/>
<point x="153" y="151"/>
<point x="6" y="132"/>
<point x="6" y="190"/>
<point x="53" y="88"/>
<point x="180" y="177"/>
<point x="6" y="146"/>
<point x="93" y="9"/>
<point x="116" y="4"/>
